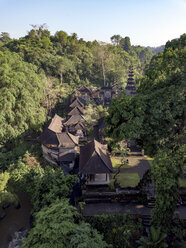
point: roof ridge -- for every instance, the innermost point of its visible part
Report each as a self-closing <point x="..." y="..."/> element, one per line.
<point x="89" y="159"/>
<point x="55" y="118"/>
<point x="78" y="108"/>
<point x="72" y="137"/>
<point x="97" y="150"/>
<point x="77" y="115"/>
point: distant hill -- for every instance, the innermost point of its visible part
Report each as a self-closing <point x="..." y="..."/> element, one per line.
<point x="156" y="50"/>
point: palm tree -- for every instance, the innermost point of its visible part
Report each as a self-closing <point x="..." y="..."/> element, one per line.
<point x="155" y="239"/>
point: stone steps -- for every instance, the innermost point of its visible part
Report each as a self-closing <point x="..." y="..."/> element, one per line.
<point x="146" y="220"/>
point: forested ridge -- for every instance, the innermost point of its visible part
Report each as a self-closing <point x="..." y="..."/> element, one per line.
<point x="37" y="75"/>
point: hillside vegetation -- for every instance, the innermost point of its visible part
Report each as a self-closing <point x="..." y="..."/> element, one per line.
<point x="155" y="119"/>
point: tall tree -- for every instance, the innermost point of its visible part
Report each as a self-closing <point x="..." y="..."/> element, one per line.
<point x="115" y="39"/>
<point x="127" y="44"/>
<point x="5" y="37"/>
<point x="54" y="227"/>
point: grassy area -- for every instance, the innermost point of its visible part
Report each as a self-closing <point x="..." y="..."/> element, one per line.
<point x="128" y="179"/>
<point x="182" y="182"/>
<point x="149" y="159"/>
<point x="116" y="162"/>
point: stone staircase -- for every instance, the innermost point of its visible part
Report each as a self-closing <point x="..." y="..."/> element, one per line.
<point x="146" y="220"/>
<point x="151" y="202"/>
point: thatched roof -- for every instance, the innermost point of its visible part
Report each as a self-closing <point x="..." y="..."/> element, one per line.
<point x="84" y="89"/>
<point x="53" y="135"/>
<point x="67" y="140"/>
<point x="94" y="158"/>
<point x="73" y="120"/>
<point x="54" y="126"/>
<point x="76" y="111"/>
<point x="77" y="102"/>
<point x="79" y="126"/>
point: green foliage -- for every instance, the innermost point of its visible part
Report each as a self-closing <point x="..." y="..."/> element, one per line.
<point x="177" y="235"/>
<point x="125" y="118"/>
<point x="155" y="116"/>
<point x="4" y="177"/>
<point x="92" y="114"/>
<point x="155" y="119"/>
<point x="155" y="239"/>
<point x="51" y="186"/>
<point x="166" y="170"/>
<point x="127" y="45"/>
<point x="84" y="236"/>
<point x="43" y="186"/>
<point x="54" y="227"/>
<point x="6" y="197"/>
<point x="21" y="91"/>
<point x="74" y="61"/>
<point x="121" y="231"/>
<point x="182" y="182"/>
<point x="5" y="37"/>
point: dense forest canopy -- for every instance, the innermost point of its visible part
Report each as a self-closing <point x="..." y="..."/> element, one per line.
<point x="39" y="69"/>
<point x="21" y="93"/>
<point x="72" y="59"/>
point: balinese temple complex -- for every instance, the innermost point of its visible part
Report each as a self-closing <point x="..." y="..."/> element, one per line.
<point x="131" y="87"/>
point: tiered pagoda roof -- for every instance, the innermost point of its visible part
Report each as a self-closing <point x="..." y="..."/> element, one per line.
<point x="76" y="111"/>
<point x="74" y="119"/>
<point x="131" y="88"/>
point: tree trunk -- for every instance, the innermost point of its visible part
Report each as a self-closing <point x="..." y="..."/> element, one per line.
<point x="61" y="78"/>
<point x="103" y="70"/>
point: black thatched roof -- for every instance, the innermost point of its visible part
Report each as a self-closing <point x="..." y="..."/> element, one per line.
<point x="94" y="158"/>
<point x="76" y="111"/>
<point x="84" y="89"/>
<point x="130" y="79"/>
<point x="129" y="87"/>
<point x="101" y="123"/>
<point x="66" y="157"/>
